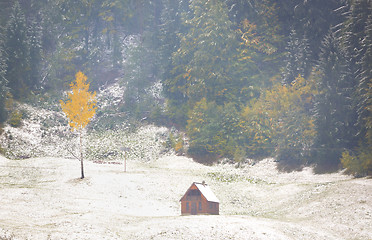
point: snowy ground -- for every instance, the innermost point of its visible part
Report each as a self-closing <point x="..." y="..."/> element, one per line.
<point x="43" y="198"/>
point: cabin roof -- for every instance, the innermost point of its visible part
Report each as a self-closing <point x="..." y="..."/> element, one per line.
<point x="206" y="191"/>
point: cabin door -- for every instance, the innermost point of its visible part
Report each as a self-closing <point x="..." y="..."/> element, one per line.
<point x="193" y="208"/>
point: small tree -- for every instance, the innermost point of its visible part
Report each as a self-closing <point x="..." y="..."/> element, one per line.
<point x="80" y="108"/>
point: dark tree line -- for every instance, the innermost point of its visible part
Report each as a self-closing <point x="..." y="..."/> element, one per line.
<point x="243" y="78"/>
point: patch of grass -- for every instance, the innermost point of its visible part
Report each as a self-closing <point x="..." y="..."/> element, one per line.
<point x="19" y="185"/>
<point x="233" y="177"/>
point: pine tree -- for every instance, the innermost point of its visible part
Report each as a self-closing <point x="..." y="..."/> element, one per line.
<point x="359" y="161"/>
<point x="138" y="79"/>
<point x="334" y="111"/>
<point x="143" y="62"/>
<point x="365" y="75"/>
<point x="313" y="19"/>
<point x="81" y="41"/>
<point x="169" y="30"/>
<point x="355" y="32"/>
<point x="297" y="58"/>
<point x="205" y="53"/>
<point x="17" y="52"/>
<point x="203" y="130"/>
<point x="35" y="55"/>
<point x="173" y="84"/>
<point x="3" y="83"/>
<point x="356" y="45"/>
<point x="5" y="10"/>
<point x="115" y="15"/>
<point x="366" y="71"/>
<point x="261" y="46"/>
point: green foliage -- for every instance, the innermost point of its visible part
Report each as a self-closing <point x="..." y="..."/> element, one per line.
<point x="175" y="142"/>
<point x="313" y="19"/>
<point x="202" y="128"/>
<point x="297" y="58"/>
<point x="279" y="120"/>
<point x="173" y="82"/>
<point x="15" y="119"/>
<point x="35" y="54"/>
<point x="295" y="125"/>
<point x="359" y="164"/>
<point x="239" y="155"/>
<point x="257" y="61"/>
<point x="140" y="95"/>
<point x="218" y="65"/>
<point x="215" y="131"/>
<point x="364" y="91"/>
<point x="258" y="128"/>
<point x="210" y="81"/>
<point x="3" y="84"/>
<point x="1" y="128"/>
<point x="17" y="52"/>
<point x="202" y="61"/>
<point x="334" y="111"/>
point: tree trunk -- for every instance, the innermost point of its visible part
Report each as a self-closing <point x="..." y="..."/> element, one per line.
<point x="81" y="155"/>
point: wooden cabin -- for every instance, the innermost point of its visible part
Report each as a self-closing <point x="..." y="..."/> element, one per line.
<point x="199" y="199"/>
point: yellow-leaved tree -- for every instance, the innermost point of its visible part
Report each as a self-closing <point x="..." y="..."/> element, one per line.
<point x="79" y="108"/>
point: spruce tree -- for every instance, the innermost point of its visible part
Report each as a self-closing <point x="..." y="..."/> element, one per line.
<point x="170" y="32"/>
<point x="355" y="26"/>
<point x="365" y="76"/>
<point x="206" y="52"/>
<point x="334" y="111"/>
<point x="357" y="42"/>
<point x="143" y="63"/>
<point x="313" y="19"/>
<point x="17" y="51"/>
<point x="35" y="55"/>
<point x="207" y="65"/>
<point x="298" y="58"/>
<point x="3" y="83"/>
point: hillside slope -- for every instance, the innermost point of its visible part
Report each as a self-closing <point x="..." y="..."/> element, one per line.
<point x="43" y="198"/>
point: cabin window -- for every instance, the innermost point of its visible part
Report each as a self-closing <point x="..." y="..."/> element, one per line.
<point x="200" y="206"/>
<point x="210" y="205"/>
<point x="187" y="206"/>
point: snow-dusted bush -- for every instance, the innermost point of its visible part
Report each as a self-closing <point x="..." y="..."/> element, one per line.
<point x="145" y="144"/>
<point x="42" y="133"/>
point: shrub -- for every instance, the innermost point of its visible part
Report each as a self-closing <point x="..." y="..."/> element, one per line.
<point x="1" y="129"/>
<point x="2" y="151"/>
<point x="15" y="119"/>
<point x="175" y="142"/>
<point x="359" y="165"/>
<point x="179" y="146"/>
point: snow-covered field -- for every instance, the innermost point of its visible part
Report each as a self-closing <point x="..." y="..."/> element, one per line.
<point x="43" y="198"/>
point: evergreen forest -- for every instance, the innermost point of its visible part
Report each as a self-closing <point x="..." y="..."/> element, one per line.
<point x="241" y="78"/>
